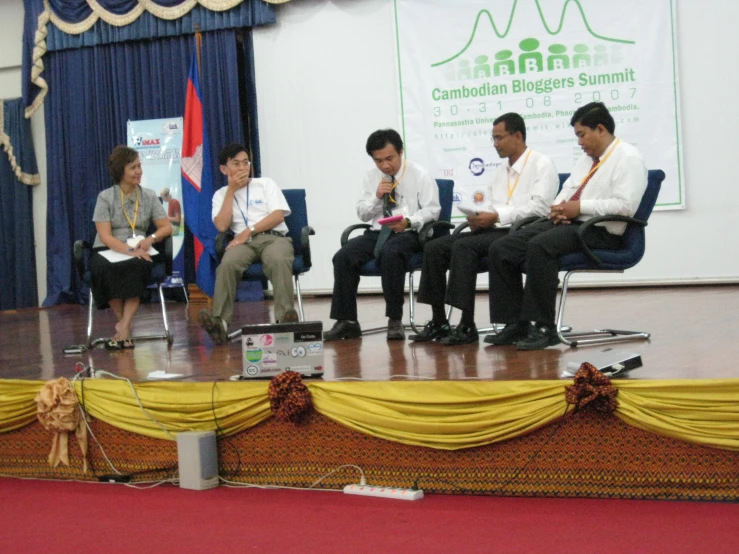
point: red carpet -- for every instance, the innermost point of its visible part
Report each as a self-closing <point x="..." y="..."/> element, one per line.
<point x="47" y="516"/>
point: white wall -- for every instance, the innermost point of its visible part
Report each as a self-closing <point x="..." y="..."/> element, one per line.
<point x="327" y="77"/>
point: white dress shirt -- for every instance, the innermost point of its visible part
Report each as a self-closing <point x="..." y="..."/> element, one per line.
<point x="253" y="203"/>
<point x="537" y="186"/>
<point x="417" y="196"/>
<point x="616" y="188"/>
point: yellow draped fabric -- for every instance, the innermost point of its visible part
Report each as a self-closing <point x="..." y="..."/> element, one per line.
<point x="436" y="414"/>
<point x="176" y="406"/>
<point x="702" y="411"/>
<point x="442" y="414"/>
<point x="17" y="405"/>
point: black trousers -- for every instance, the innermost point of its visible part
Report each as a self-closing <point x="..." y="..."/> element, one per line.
<point x="535" y="250"/>
<point x="393" y="264"/>
<point x="461" y="254"/>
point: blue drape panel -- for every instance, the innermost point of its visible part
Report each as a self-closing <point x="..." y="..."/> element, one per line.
<point x="250" y="13"/>
<point x="17" y="253"/>
<point x="93" y="92"/>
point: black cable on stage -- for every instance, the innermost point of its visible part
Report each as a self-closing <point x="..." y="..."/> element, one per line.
<point x="514" y="476"/>
<point x="223" y="435"/>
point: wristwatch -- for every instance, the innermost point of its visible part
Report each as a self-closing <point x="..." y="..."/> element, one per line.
<point x="252" y="229"/>
<point x="408" y="222"/>
<point x="154" y="236"/>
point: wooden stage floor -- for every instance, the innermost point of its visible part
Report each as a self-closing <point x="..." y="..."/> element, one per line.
<point x="694" y="336"/>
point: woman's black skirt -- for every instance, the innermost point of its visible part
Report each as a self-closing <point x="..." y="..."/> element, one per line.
<point x="123" y="280"/>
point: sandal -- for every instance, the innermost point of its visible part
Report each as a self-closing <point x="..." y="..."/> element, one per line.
<point x="113" y="344"/>
<point x="127" y="343"/>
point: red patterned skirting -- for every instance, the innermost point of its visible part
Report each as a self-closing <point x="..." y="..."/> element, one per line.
<point x="584" y="455"/>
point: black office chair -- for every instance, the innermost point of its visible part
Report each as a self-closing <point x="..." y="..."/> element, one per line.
<point x="430" y="231"/>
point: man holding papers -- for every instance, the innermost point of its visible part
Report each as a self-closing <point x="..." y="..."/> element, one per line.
<point x="394" y="187"/>
<point x="608" y="179"/>
<point x="523" y="186"/>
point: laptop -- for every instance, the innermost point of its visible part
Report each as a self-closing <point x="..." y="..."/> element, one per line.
<point x="268" y="349"/>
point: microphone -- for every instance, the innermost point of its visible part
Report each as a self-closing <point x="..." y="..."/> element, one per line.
<point x="387" y="210"/>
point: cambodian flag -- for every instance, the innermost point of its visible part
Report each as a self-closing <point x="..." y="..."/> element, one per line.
<point x="197" y="183"/>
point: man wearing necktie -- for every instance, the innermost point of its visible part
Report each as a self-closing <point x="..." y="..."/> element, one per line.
<point x="395" y="186"/>
<point x="524" y="185"/>
<point x="608" y="179"/>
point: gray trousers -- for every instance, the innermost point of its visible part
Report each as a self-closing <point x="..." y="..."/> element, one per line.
<point x="276" y="255"/>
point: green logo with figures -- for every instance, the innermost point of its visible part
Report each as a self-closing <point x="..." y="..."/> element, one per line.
<point x="543" y="21"/>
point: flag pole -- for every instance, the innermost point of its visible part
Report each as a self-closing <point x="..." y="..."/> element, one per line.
<point x="198" y="46"/>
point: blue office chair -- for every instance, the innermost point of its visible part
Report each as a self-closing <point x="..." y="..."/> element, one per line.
<point x="298" y="230"/>
<point x="429" y="231"/>
<point x="82" y="251"/>
<point x="613" y="261"/>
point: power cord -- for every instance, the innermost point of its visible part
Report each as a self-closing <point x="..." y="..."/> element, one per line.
<point x="363" y="481"/>
<point x="223" y="435"/>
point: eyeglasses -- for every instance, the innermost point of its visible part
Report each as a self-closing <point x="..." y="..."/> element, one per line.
<point x="498" y="138"/>
<point x="237" y="163"/>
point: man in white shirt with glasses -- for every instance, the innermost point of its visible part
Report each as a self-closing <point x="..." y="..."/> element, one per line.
<point x="254" y="209"/>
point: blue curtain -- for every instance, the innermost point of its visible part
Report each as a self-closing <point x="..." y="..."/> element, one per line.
<point x="249" y="13"/>
<point x="93" y="92"/>
<point x="17" y="253"/>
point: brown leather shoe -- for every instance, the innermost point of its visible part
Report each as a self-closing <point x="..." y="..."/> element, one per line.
<point x="291" y="316"/>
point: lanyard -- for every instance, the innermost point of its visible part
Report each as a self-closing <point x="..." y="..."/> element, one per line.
<point x="246" y="222"/>
<point x="508" y="182"/>
<point x="600" y="163"/>
<point x="135" y="213"/>
<point x="395" y="184"/>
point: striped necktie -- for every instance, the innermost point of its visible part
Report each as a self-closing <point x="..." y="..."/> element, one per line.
<point x="578" y="192"/>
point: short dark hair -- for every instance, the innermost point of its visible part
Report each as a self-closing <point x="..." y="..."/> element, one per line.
<point x="381" y="138"/>
<point x="514" y="123"/>
<point x="594" y="114"/>
<point x="230" y="151"/>
<point x="119" y="158"/>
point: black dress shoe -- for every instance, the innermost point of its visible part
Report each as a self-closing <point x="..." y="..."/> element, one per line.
<point x="343" y="329"/>
<point x="511" y="334"/>
<point x="462" y="334"/>
<point x="432" y="331"/>
<point x="539" y="338"/>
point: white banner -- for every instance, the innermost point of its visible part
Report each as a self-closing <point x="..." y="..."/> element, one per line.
<point x="464" y="63"/>
<point x="159" y="144"/>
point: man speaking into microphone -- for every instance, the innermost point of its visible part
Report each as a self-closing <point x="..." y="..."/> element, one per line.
<point x="394" y="187"/>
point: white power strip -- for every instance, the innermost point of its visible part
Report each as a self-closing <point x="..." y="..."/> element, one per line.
<point x="384" y="492"/>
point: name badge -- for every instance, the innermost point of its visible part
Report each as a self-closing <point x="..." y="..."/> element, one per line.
<point x="133" y="241"/>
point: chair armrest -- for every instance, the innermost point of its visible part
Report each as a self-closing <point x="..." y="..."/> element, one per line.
<point x="348" y="231"/>
<point x="305" y="234"/>
<point x="222" y="240"/>
<point x="599" y="219"/>
<point x="526" y="221"/>
<point x="461" y="227"/>
<point x="80" y="246"/>
<point x="430" y="230"/>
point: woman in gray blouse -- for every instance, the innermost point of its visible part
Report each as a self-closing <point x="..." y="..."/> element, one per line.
<point x="123" y="216"/>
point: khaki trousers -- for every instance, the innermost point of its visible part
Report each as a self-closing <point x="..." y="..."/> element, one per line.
<point x="275" y="253"/>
